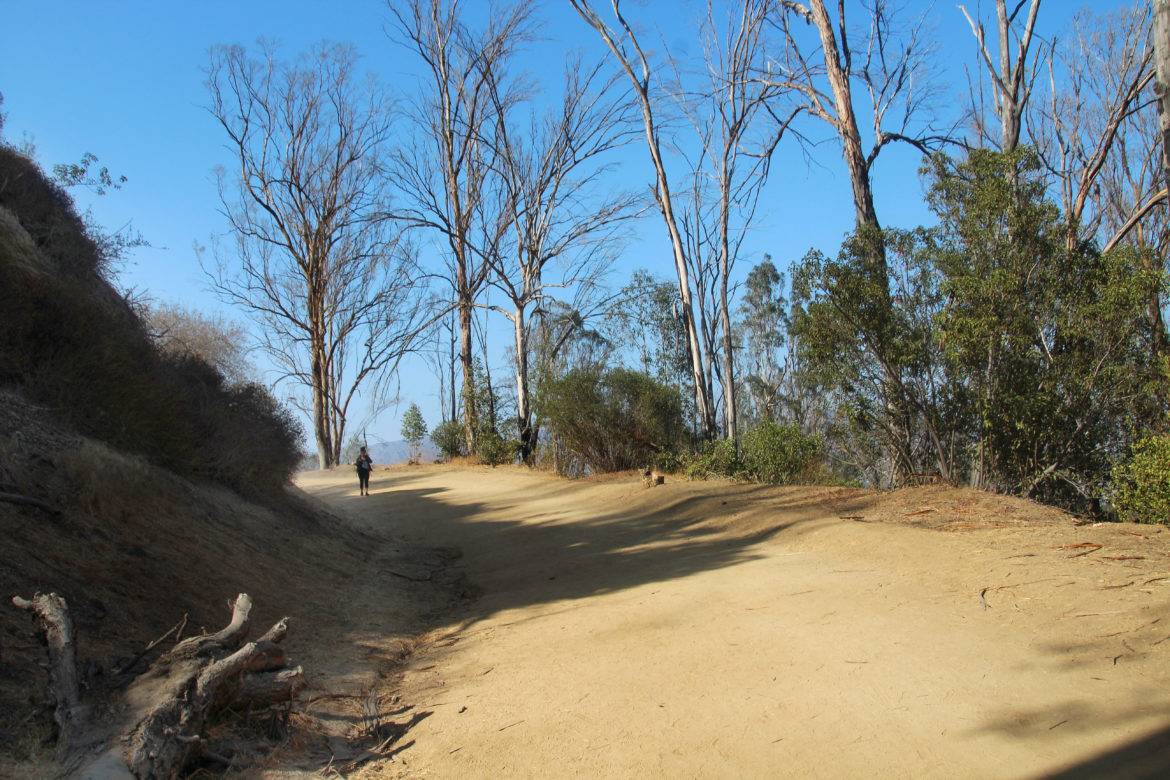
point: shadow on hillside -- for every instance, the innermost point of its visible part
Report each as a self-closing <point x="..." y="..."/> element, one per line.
<point x="537" y="559"/>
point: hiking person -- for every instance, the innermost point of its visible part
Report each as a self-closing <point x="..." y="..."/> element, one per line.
<point x="364" y="465"/>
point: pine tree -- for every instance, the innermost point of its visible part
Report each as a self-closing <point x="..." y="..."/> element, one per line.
<point x="414" y="428"/>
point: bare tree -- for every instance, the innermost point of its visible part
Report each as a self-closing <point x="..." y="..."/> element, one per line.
<point x="1011" y="73"/>
<point x="552" y="177"/>
<point x="699" y="223"/>
<point x="623" y="44"/>
<point x="895" y="77"/>
<point x="444" y="175"/>
<point x="441" y="356"/>
<point x="1132" y="186"/>
<point x="1097" y="134"/>
<point x="1132" y="183"/>
<point x="1161" y="35"/>
<point x="1106" y="69"/>
<point x="315" y="260"/>
<point x="733" y="162"/>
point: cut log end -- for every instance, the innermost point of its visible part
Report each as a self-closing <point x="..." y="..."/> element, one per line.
<point x="277" y="633"/>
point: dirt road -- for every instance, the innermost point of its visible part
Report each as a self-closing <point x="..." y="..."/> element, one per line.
<point x="707" y="629"/>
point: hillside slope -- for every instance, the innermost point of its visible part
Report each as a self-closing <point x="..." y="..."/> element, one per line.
<point x="136" y="548"/>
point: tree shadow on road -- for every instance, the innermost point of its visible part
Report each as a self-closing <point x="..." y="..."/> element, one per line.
<point x="533" y="541"/>
<point x="1147" y="757"/>
<point x="520" y="552"/>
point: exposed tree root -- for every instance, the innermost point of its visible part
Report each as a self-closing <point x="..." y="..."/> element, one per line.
<point x="22" y="500"/>
<point x="156" y="727"/>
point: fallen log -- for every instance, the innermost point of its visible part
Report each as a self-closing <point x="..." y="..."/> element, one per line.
<point x="156" y="728"/>
<point x="168" y="737"/>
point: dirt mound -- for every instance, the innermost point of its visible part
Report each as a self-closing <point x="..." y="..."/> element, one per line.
<point x="948" y="508"/>
<point x="133" y="548"/>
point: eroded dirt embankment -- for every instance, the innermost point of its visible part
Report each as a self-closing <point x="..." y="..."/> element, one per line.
<point x="133" y="549"/>
<point x="731" y="630"/>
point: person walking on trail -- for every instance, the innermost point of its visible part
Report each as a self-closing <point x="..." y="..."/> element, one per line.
<point x="364" y="466"/>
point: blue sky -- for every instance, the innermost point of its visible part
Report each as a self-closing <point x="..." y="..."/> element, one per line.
<point x="124" y="80"/>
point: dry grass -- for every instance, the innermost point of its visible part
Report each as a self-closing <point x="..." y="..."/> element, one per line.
<point x="17" y="245"/>
<point x="133" y="549"/>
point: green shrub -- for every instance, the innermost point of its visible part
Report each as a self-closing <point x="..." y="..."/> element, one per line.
<point x="778" y="454"/>
<point x="668" y="461"/>
<point x="1141" y="486"/>
<point x="448" y="437"/>
<point x="716" y="459"/>
<point x="611" y="420"/>
<point x="493" y="449"/>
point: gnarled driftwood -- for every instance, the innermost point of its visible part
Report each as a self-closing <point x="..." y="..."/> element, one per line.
<point x="157" y="725"/>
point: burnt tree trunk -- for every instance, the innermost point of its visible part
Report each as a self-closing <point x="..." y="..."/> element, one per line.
<point x="467" y="362"/>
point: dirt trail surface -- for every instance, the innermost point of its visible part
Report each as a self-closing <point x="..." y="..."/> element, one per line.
<point x="709" y="629"/>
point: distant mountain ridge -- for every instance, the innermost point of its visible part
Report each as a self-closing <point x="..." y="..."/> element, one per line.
<point x="390" y="452"/>
<point x="383" y="453"/>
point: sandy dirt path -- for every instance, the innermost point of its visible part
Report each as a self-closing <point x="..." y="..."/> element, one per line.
<point x="707" y="629"/>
